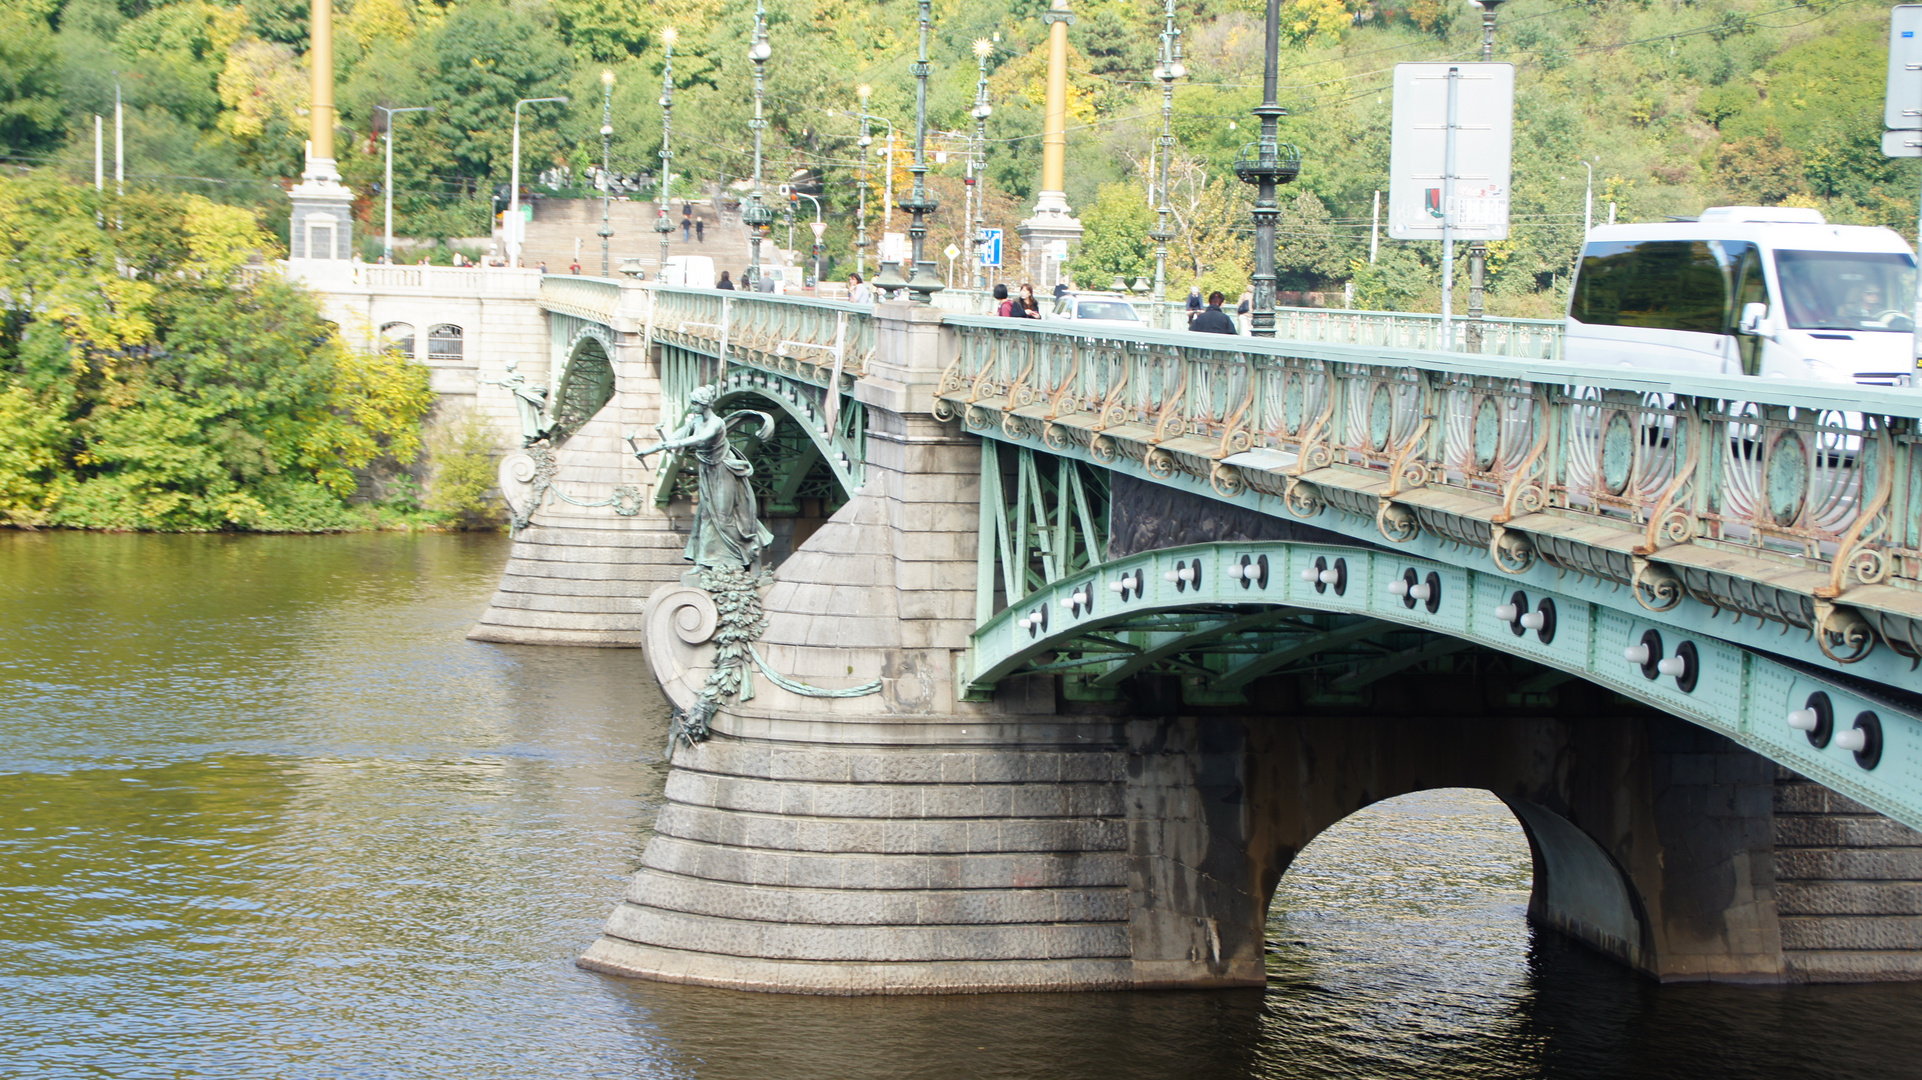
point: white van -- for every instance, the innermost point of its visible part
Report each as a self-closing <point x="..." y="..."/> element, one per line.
<point x="688" y="271"/>
<point x="1772" y="291"/>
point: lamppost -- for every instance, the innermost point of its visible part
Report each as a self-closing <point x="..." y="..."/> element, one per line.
<point x="819" y="228"/>
<point x="514" y="194"/>
<point x="1168" y="70"/>
<point x="977" y="161"/>
<point x="861" y="215"/>
<point x="607" y="160"/>
<point x="387" y="187"/>
<point x="926" y="280"/>
<point x="661" y="224"/>
<point x="1588" y="201"/>
<point x="1478" y="251"/>
<point x="1271" y="163"/>
<point x="756" y="216"/>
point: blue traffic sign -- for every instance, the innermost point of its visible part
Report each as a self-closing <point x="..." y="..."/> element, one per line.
<point x="991" y="247"/>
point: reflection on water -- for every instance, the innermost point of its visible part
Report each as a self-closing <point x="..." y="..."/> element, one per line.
<point x="265" y="813"/>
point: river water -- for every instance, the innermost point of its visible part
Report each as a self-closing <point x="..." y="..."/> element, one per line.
<point x="265" y="813"/>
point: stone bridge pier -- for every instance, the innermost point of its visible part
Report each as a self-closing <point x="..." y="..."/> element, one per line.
<point x="856" y="824"/>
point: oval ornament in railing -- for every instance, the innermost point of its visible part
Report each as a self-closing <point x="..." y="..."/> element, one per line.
<point x="1788" y="478"/>
<point x="1381" y="413"/>
<point x="1488" y="430"/>
<point x="1618" y="453"/>
<point x="1293" y="405"/>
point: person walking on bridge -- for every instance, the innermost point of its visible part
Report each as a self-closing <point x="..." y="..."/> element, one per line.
<point x="1213" y="320"/>
<point x="700" y="230"/>
<point x="687" y="226"/>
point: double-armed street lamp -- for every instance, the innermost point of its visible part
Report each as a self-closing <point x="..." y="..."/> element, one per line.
<point x="1167" y="70"/>
<point x="661" y="223"/>
<point x="925" y="280"/>
<point x="607" y="161"/>
<point x="514" y="230"/>
<point x="756" y="215"/>
<point x="387" y="188"/>
<point x="861" y="215"/>
<point x="977" y="161"/>
<point x="1266" y="165"/>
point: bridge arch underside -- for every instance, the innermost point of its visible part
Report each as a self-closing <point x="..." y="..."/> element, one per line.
<point x="1676" y="830"/>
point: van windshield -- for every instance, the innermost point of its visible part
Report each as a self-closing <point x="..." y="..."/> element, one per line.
<point x="1105" y="309"/>
<point x="1847" y="290"/>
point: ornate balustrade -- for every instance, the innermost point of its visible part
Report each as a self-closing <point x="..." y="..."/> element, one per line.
<point x="584" y="297"/>
<point x="813" y="340"/>
<point x="1536" y="339"/>
<point x="1794" y="503"/>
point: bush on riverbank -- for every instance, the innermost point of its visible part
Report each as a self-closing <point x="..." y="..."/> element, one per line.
<point x="149" y="381"/>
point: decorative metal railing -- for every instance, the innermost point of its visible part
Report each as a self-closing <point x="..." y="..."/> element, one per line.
<point x="1798" y="503"/>
<point x="586" y="297"/>
<point x="815" y="340"/>
<point x="1533" y="339"/>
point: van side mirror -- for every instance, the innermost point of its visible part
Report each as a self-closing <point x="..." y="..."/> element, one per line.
<point x="1754" y="320"/>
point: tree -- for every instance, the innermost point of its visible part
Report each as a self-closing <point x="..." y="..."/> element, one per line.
<point x="30" y="112"/>
<point x="1116" y="239"/>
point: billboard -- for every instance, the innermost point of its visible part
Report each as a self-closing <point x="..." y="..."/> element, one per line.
<point x="1483" y="133"/>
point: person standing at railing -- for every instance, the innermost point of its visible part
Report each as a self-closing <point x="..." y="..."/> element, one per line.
<point x="1241" y="310"/>
<point x="1194" y="303"/>
<point x="725" y="282"/>
<point x="858" y="291"/>
<point x="1213" y="320"/>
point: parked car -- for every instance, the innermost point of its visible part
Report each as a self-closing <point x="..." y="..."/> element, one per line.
<point x="1772" y="291"/>
<point x="689" y="271"/>
<point x="1098" y="309"/>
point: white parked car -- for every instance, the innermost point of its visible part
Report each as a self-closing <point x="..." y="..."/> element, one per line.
<point x="1773" y="291"/>
<point x="1098" y="309"/>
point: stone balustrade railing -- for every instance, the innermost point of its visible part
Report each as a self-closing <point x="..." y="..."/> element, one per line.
<point x="1795" y="502"/>
<point x="333" y="275"/>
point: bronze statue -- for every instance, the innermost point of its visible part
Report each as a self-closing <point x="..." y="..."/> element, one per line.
<point x="727" y="532"/>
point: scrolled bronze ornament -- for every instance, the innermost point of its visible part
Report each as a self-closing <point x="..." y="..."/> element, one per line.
<point x="1014" y="427"/>
<point x="1656" y="589"/>
<point x="1226" y="480"/>
<point x="1104" y="449"/>
<point x="1303" y="499"/>
<point x="1396" y="522"/>
<point x="979" y="418"/>
<point x="943" y="410"/>
<point x="1159" y="463"/>
<point x="1512" y="552"/>
<point x="1055" y="436"/>
<point x="1842" y="634"/>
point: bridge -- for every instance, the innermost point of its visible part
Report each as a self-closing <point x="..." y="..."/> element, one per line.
<point x="1073" y="637"/>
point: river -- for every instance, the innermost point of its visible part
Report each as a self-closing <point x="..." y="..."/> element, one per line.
<point x="264" y="812"/>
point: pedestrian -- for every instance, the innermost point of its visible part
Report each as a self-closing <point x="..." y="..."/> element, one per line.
<point x="1194" y="303"/>
<point x="1242" y="309"/>
<point x="574" y="267"/>
<point x="543" y="266"/>
<point x="858" y="290"/>
<point x="700" y="230"/>
<point x="687" y="227"/>
<point x="724" y="283"/>
<point x="1213" y="320"/>
<point x="1003" y="306"/>
<point x="1063" y="287"/>
<point x="1030" y="307"/>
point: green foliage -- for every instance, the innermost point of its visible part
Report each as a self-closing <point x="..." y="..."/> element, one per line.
<point x="464" y="473"/>
<point x="30" y="114"/>
<point x="1116" y="240"/>
<point x="146" y="384"/>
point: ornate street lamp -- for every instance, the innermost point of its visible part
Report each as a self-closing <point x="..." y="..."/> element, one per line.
<point x="926" y="280"/>
<point x="861" y="215"/>
<point x="1168" y="70"/>
<point x="661" y="224"/>
<point x="755" y="215"/>
<point x="607" y="160"/>
<point x="977" y="161"/>
<point x="1267" y="164"/>
<point x="1478" y="251"/>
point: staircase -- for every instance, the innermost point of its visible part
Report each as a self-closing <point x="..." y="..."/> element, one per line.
<point x="563" y="226"/>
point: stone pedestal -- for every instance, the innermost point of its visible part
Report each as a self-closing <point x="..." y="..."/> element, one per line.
<point x="1051" y="236"/>
<point x="322" y="224"/>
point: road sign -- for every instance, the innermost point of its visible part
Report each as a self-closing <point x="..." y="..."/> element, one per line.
<point x="820" y="229"/>
<point x="1902" y="143"/>
<point x="951" y="252"/>
<point x="991" y="247"/>
<point x="1902" y="104"/>
<point x="1418" y="151"/>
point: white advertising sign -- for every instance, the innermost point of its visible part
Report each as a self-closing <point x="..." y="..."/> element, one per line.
<point x="1418" y="152"/>
<point x="894" y="247"/>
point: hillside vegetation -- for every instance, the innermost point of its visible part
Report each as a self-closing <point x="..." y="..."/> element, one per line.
<point x="1676" y="106"/>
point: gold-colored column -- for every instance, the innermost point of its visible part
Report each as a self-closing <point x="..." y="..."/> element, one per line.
<point x="1054" y="131"/>
<point x="320" y="56"/>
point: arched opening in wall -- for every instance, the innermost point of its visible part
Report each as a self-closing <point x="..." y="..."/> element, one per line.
<point x="1400" y="936"/>
<point x="587" y="385"/>
<point x="796" y="488"/>
<point x="445" y="344"/>
<point x="398" y="336"/>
